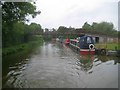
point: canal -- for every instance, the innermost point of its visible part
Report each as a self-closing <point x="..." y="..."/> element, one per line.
<point x="53" y="65"/>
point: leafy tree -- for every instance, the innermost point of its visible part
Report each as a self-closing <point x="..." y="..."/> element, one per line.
<point x="53" y="30"/>
<point x="105" y="27"/>
<point x="63" y="29"/>
<point x="13" y="14"/>
<point x="17" y="11"/>
<point x="86" y="26"/>
<point x="94" y="25"/>
<point x="35" y="28"/>
<point x="101" y="28"/>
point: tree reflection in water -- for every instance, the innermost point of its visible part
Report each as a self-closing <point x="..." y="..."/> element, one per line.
<point x="104" y="58"/>
<point x="86" y="62"/>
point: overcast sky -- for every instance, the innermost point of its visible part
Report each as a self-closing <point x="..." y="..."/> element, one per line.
<point x="75" y="13"/>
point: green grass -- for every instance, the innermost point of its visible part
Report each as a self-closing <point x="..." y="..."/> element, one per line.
<point x="108" y="46"/>
<point x="21" y="47"/>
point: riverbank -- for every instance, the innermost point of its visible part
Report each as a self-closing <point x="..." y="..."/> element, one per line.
<point x="108" y="46"/>
<point x="21" y="47"/>
<point x="108" y="49"/>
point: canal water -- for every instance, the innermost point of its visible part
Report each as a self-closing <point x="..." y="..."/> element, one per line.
<point x="54" y="65"/>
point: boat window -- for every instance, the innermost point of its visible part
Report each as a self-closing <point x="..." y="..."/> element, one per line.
<point x="82" y="40"/>
<point x="89" y="40"/>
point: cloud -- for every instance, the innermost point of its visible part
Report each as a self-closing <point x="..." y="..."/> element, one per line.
<point x="75" y="12"/>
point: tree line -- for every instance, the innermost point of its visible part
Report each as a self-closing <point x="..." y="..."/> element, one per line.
<point x="14" y="28"/>
<point x="104" y="28"/>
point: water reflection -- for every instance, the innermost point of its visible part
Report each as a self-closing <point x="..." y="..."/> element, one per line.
<point x="56" y="65"/>
<point x="13" y="66"/>
<point x="13" y="69"/>
<point x="104" y="58"/>
<point x="87" y="62"/>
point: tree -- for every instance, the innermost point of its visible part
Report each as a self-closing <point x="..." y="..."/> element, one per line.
<point x="86" y="26"/>
<point x="17" y="11"/>
<point x="35" y="28"/>
<point x="53" y="30"/>
<point x="94" y="25"/>
<point x="102" y="27"/>
<point x="62" y="29"/>
<point x="13" y="19"/>
<point x="105" y="27"/>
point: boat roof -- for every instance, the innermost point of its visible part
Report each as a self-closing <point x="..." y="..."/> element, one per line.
<point x="75" y="40"/>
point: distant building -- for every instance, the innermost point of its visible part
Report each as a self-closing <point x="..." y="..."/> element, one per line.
<point x="99" y="37"/>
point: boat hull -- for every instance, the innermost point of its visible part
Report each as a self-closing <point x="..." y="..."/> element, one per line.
<point x="87" y="51"/>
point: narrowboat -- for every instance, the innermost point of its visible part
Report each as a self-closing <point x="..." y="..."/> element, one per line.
<point x="67" y="41"/>
<point x="74" y="43"/>
<point x="84" y="44"/>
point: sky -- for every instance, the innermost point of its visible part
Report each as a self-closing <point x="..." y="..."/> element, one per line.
<point x="75" y="13"/>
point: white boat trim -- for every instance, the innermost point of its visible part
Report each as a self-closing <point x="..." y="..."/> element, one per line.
<point x="87" y="49"/>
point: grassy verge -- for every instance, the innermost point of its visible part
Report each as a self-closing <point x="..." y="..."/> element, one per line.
<point x="108" y="46"/>
<point x="21" y="47"/>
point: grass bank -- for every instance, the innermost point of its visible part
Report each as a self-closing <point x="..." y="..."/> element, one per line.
<point x="22" y="47"/>
<point x="108" y="46"/>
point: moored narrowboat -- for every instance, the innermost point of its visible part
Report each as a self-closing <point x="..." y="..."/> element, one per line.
<point x="84" y="44"/>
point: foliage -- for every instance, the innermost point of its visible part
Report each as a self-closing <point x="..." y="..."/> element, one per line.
<point x="14" y="29"/>
<point x="34" y="26"/>
<point x="22" y="47"/>
<point x="102" y="27"/>
<point x="66" y="32"/>
<point x="62" y="29"/>
<point x="87" y="26"/>
<point x="17" y="11"/>
<point x="108" y="46"/>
